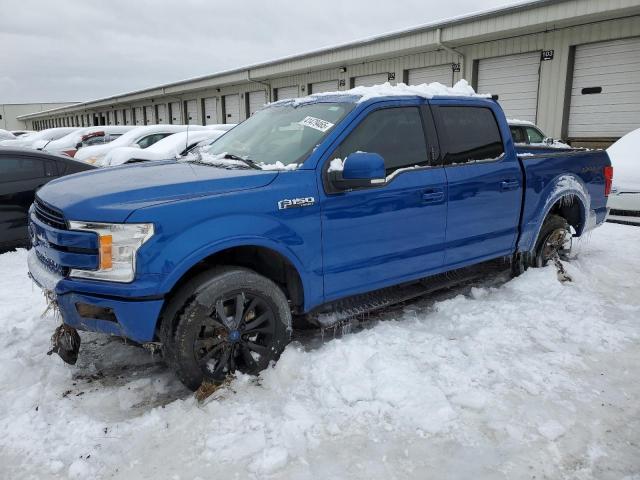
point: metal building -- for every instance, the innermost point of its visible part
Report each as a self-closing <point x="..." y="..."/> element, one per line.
<point x="571" y="66"/>
<point x="11" y="113"/>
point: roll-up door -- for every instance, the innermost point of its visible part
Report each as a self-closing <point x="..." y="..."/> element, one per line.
<point x="150" y="114"/>
<point x="256" y="101"/>
<point x="319" y="87"/>
<point x="192" y="112"/>
<point x="127" y="116"/>
<point x="139" y="116"/>
<point x="605" y="92"/>
<point x="370" y="80"/>
<point x="515" y="79"/>
<point x="231" y="109"/>
<point x="162" y="113"/>
<point x="282" y="93"/>
<point x="439" y="73"/>
<point x="175" y="116"/>
<point x="211" y="111"/>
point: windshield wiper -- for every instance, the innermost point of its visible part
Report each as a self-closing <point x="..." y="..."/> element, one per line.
<point x="246" y="161"/>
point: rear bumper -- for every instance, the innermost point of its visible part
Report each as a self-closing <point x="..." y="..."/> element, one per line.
<point x="132" y="318"/>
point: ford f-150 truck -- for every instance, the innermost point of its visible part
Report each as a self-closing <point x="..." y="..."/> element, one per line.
<point x="310" y="210"/>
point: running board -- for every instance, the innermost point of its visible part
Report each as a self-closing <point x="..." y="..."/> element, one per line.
<point x="338" y="311"/>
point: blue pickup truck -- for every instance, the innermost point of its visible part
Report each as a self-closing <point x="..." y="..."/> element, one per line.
<point x="310" y="211"/>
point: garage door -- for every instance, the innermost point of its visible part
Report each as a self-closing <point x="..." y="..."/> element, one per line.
<point x="174" y="112"/>
<point x="162" y="114"/>
<point x="283" y="93"/>
<point x="319" y="87"/>
<point x="210" y="111"/>
<point x="150" y="114"/>
<point x="370" y="80"/>
<point x="256" y="101"/>
<point x="128" y="117"/>
<point x="514" y="78"/>
<point x="231" y="109"/>
<point x="192" y="112"/>
<point x="605" y="93"/>
<point x="139" y="116"/>
<point x="438" y="73"/>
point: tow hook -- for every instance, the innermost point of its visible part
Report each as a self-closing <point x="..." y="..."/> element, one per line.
<point x="65" y="341"/>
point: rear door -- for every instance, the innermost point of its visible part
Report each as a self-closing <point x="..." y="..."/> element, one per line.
<point x="383" y="235"/>
<point x="20" y="177"/>
<point x="484" y="182"/>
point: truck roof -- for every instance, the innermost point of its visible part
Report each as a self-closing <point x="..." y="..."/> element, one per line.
<point x="386" y="90"/>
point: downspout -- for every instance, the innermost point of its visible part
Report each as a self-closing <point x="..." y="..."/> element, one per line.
<point x="266" y="84"/>
<point x="452" y="51"/>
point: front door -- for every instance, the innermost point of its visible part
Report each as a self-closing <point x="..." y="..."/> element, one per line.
<point x="384" y="235"/>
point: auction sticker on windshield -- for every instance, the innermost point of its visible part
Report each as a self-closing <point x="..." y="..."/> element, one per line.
<point x="316" y="123"/>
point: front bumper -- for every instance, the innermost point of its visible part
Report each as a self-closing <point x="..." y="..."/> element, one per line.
<point x="132" y="318"/>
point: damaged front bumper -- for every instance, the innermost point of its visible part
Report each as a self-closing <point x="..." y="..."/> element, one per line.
<point x="95" y="308"/>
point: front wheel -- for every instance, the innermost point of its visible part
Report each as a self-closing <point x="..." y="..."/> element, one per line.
<point x="235" y="319"/>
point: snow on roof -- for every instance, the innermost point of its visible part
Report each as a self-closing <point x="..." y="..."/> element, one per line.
<point x="515" y="121"/>
<point x="625" y="158"/>
<point x="362" y="94"/>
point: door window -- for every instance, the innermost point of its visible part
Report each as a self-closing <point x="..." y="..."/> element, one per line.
<point x="149" y="140"/>
<point x="20" y="168"/>
<point x="534" y="135"/>
<point x="468" y="134"/>
<point x="396" y="134"/>
<point x="518" y="135"/>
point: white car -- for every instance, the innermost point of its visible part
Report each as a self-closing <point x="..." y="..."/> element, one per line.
<point x="173" y="146"/>
<point x="6" y="135"/>
<point x="624" y="200"/>
<point x="525" y="133"/>
<point x="38" y="139"/>
<point x="140" y="137"/>
<point x="71" y="142"/>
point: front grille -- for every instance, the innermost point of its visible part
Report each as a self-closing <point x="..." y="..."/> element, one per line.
<point x="49" y="215"/>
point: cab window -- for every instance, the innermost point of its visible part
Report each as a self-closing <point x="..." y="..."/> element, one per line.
<point x="534" y="135"/>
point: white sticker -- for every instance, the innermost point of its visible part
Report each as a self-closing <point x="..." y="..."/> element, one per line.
<point x="316" y="123"/>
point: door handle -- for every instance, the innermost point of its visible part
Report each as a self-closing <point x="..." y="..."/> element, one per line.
<point x="432" y="196"/>
<point x="509" y="184"/>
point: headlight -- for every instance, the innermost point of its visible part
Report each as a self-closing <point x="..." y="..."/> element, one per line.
<point x="118" y="244"/>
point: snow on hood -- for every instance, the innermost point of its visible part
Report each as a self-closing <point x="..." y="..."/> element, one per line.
<point x="72" y="139"/>
<point x="625" y="158"/>
<point x="430" y="90"/>
<point x="28" y="140"/>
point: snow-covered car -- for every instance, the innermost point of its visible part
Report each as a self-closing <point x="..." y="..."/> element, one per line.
<point x="528" y="133"/>
<point x="140" y="137"/>
<point x="624" y="200"/>
<point x="70" y="143"/>
<point x="19" y="133"/>
<point x="38" y="139"/>
<point x="6" y="135"/>
<point x="173" y="146"/>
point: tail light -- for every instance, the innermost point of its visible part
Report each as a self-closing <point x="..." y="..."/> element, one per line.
<point x="70" y="153"/>
<point x="608" y="180"/>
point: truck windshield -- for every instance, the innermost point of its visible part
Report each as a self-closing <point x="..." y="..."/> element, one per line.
<point x="280" y="136"/>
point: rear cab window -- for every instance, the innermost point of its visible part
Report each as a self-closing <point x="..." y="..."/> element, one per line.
<point x="468" y="134"/>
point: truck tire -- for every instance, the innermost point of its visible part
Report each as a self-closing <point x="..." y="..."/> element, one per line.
<point x="554" y="238"/>
<point x="226" y="319"/>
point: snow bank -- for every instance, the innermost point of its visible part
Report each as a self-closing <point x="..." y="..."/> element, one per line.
<point x="625" y="158"/>
<point x="528" y="378"/>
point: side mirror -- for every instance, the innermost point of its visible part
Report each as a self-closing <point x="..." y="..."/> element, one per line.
<point x="359" y="170"/>
<point x="549" y="141"/>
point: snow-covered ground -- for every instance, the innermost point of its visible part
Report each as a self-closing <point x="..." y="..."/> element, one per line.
<point x="529" y="378"/>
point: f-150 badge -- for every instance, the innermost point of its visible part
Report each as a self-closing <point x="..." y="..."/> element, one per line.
<point x="296" y="203"/>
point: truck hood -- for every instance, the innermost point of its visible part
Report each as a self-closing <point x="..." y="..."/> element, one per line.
<point x="112" y="194"/>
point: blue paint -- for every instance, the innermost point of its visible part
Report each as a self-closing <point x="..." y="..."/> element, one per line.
<point x="422" y="221"/>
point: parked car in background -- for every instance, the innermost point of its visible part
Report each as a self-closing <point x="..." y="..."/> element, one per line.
<point x="22" y="172"/>
<point x="6" y="135"/>
<point x="312" y="209"/>
<point x="529" y="138"/>
<point x="624" y="201"/>
<point x="38" y="139"/>
<point x="83" y="137"/>
<point x="139" y="137"/>
<point x="19" y="133"/>
<point x="173" y="146"/>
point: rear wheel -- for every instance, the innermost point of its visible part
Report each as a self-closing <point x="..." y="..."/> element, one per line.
<point x="234" y="319"/>
<point x="554" y="241"/>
